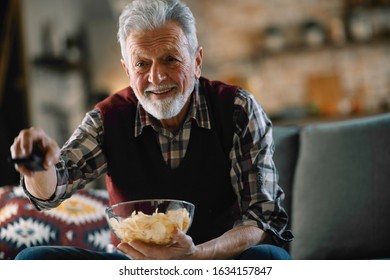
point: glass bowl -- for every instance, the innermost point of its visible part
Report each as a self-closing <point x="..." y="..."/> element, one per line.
<point x="151" y="220"/>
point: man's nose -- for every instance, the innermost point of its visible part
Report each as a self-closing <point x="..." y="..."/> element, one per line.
<point x="157" y="74"/>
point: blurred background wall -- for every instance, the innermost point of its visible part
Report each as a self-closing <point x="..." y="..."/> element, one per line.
<point x="326" y="57"/>
<point x="13" y="85"/>
<point x="304" y="60"/>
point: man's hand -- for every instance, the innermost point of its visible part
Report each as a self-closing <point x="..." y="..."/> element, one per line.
<point x="23" y="146"/>
<point x="182" y="248"/>
<point x="40" y="184"/>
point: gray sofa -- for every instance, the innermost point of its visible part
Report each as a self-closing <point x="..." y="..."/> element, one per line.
<point x="337" y="182"/>
<point x="336" y="177"/>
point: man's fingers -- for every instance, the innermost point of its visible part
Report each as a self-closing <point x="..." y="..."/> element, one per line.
<point x="25" y="143"/>
<point x="181" y="238"/>
<point x="130" y="251"/>
<point x="23" y="147"/>
<point x="52" y="154"/>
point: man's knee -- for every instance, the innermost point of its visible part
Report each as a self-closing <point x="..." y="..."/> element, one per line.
<point x="33" y="253"/>
<point x="66" y="253"/>
<point x="265" y="252"/>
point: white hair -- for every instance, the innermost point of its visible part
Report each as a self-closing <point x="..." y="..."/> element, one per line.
<point x="143" y="15"/>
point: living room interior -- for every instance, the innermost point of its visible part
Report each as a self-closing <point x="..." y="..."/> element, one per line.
<point x="319" y="68"/>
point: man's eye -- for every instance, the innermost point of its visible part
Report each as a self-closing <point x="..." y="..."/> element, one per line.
<point x="140" y="64"/>
<point x="171" y="59"/>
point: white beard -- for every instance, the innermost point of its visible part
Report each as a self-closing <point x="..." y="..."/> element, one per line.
<point x="166" y="108"/>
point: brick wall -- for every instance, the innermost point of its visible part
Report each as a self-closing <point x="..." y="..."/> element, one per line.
<point x="231" y="33"/>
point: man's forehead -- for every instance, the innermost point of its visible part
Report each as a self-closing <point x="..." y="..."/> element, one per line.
<point x="158" y="45"/>
<point x="162" y="50"/>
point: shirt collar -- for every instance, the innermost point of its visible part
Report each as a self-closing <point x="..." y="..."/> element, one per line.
<point x="198" y="111"/>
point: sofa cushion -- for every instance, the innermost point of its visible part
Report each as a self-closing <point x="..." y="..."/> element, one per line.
<point x="79" y="221"/>
<point x="342" y="189"/>
<point x="286" y="139"/>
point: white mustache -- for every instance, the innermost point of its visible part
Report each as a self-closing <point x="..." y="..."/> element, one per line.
<point x="159" y="88"/>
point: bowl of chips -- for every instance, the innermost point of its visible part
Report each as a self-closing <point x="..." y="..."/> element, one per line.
<point x="150" y="221"/>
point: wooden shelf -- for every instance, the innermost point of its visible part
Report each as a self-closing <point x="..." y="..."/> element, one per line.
<point x="328" y="47"/>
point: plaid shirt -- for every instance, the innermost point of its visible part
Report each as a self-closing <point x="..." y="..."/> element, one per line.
<point x="253" y="173"/>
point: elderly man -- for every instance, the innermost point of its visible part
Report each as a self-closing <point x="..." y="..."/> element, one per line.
<point x="170" y="134"/>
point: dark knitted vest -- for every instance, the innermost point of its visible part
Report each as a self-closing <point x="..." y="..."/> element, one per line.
<point x="137" y="170"/>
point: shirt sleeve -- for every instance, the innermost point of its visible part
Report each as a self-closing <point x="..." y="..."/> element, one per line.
<point x="81" y="161"/>
<point x="254" y="175"/>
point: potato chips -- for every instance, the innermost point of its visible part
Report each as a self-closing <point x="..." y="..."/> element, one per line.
<point x="156" y="228"/>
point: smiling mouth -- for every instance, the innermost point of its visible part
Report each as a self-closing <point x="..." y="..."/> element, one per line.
<point x="160" y="91"/>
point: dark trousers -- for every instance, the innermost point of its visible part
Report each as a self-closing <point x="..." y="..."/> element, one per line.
<point x="260" y="252"/>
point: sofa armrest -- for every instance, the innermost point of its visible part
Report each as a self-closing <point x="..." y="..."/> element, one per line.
<point x="286" y="139"/>
<point x="341" y="190"/>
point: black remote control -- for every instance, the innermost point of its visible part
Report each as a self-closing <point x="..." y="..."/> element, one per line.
<point x="33" y="162"/>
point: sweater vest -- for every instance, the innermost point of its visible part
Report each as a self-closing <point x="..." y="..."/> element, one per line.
<point x="136" y="168"/>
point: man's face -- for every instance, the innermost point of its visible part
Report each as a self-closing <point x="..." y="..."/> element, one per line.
<point x="161" y="70"/>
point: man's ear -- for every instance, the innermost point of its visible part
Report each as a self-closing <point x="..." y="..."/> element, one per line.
<point x="198" y="62"/>
<point x="124" y="65"/>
